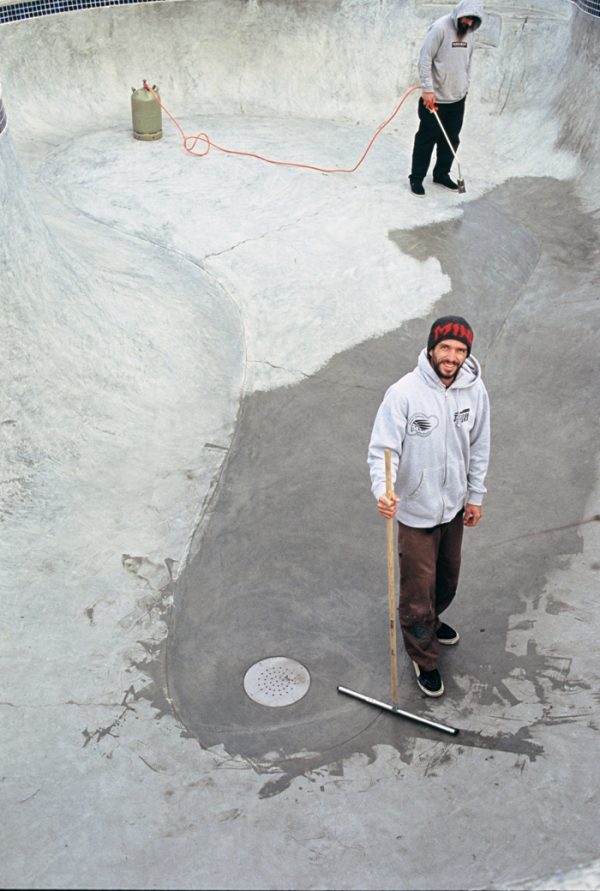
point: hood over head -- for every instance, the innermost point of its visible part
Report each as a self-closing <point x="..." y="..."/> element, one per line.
<point x="469" y="8"/>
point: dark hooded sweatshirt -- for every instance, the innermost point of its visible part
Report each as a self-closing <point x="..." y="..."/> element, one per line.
<point x="445" y="58"/>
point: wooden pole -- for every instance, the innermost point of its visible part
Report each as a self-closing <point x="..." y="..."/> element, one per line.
<point x="391" y="563"/>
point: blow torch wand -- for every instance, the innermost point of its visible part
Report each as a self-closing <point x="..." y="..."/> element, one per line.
<point x="460" y="181"/>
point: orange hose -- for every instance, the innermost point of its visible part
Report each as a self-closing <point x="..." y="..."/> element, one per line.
<point x="190" y="142"/>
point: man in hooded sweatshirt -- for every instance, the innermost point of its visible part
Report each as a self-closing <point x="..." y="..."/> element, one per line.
<point x="435" y="421"/>
<point x="444" y="72"/>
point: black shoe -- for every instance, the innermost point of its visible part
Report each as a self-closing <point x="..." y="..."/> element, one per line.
<point x="416" y="186"/>
<point x="446" y="182"/>
<point x="447" y="635"/>
<point x="429" y="682"/>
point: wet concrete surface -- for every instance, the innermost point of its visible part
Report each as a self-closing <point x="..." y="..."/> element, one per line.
<point x="292" y="561"/>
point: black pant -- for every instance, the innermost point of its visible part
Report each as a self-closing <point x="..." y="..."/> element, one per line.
<point x="429" y="134"/>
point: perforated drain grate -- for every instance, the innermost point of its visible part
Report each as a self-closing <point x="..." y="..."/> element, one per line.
<point x="276" y="681"/>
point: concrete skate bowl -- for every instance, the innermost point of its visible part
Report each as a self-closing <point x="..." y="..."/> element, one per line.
<point x="235" y="325"/>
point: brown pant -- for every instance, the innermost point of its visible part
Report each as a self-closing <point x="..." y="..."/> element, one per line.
<point x="429" y="570"/>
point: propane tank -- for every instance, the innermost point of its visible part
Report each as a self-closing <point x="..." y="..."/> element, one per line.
<point x="146" y="113"/>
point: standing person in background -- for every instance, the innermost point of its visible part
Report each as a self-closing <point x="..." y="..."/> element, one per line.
<point x="444" y="72"/>
<point x="435" y="421"/>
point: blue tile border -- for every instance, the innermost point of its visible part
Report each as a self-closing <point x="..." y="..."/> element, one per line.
<point x="591" y="6"/>
<point x="33" y="8"/>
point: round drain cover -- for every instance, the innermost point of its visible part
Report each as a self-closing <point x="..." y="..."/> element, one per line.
<point x="276" y="681"/>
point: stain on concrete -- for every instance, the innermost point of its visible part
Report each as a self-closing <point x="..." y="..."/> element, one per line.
<point x="112" y="728"/>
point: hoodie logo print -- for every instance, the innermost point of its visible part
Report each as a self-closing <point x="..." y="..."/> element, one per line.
<point x="421" y="425"/>
<point x="461" y="417"/>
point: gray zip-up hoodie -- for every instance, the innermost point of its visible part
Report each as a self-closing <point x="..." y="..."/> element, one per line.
<point x="445" y="58"/>
<point x="439" y="439"/>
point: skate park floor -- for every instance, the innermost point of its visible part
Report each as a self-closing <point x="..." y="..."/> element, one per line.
<point x="197" y="349"/>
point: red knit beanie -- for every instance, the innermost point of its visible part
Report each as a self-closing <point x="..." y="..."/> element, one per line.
<point x="450" y="328"/>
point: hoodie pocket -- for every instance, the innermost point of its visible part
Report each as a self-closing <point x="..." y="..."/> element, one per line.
<point x="456" y="486"/>
<point x="425" y="499"/>
<point x="417" y="487"/>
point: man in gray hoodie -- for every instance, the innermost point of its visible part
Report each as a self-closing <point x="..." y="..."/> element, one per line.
<point x="444" y="71"/>
<point x="435" y="421"/>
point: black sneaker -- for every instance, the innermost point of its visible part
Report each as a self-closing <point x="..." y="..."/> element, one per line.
<point x="429" y="682"/>
<point x="446" y="182"/>
<point x="416" y="187"/>
<point x="447" y="635"/>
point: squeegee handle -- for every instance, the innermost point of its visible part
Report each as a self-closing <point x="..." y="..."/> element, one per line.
<point x="391" y="563"/>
